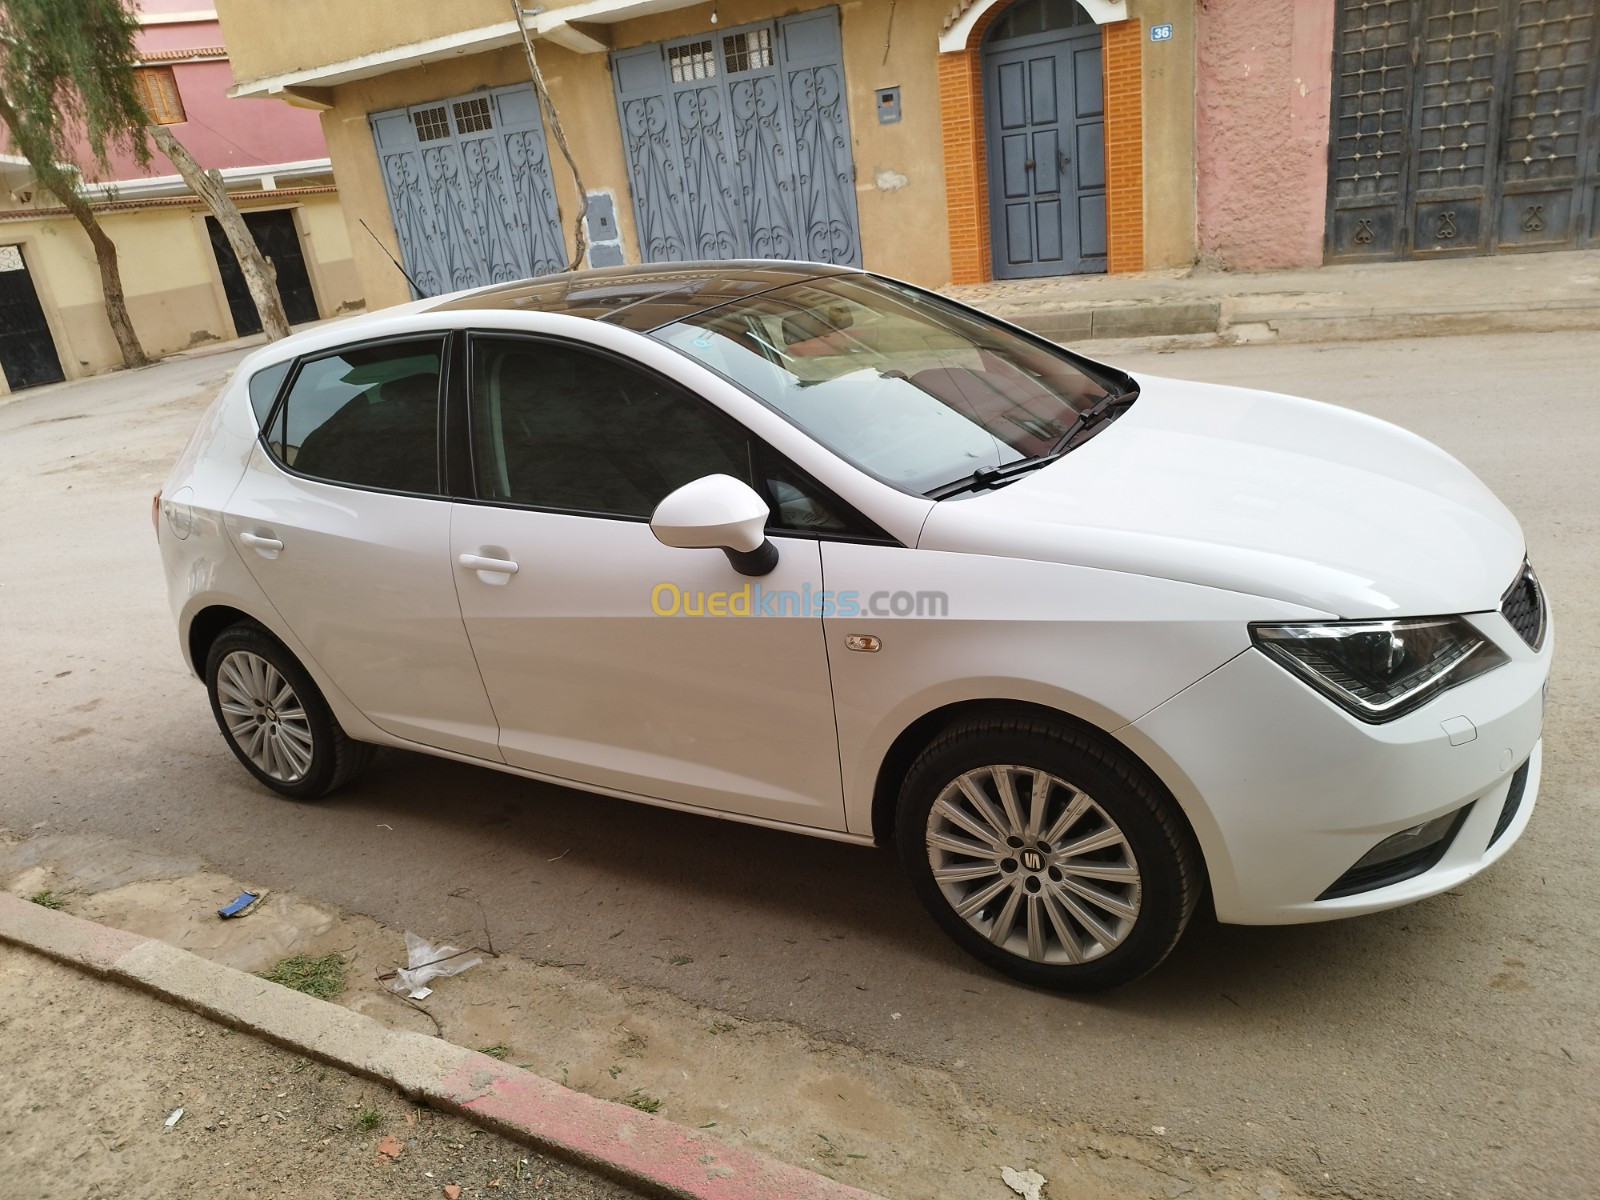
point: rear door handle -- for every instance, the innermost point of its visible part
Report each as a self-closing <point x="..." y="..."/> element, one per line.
<point x="488" y="566"/>
<point x="267" y="547"/>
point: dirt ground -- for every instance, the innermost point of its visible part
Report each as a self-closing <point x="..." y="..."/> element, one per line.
<point x="885" y="1125"/>
<point x="94" y="1071"/>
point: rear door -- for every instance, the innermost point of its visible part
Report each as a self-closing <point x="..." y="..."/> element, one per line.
<point x="341" y="519"/>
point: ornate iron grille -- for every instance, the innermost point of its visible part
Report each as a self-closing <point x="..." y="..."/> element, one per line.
<point x="1464" y="126"/>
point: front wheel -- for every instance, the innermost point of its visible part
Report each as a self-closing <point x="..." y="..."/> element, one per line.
<point x="274" y="717"/>
<point x="1048" y="853"/>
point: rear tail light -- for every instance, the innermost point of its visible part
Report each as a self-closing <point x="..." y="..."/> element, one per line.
<point x="155" y="514"/>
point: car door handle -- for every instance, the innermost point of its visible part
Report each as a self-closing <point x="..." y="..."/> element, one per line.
<point x="476" y="562"/>
<point x="267" y="547"/>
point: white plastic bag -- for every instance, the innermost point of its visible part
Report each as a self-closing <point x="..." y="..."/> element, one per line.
<point x="425" y="961"/>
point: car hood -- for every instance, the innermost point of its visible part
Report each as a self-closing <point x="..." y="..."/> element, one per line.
<point x="1259" y="493"/>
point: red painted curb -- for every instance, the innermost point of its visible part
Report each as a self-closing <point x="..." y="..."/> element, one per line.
<point x="641" y="1150"/>
<point x="619" y="1140"/>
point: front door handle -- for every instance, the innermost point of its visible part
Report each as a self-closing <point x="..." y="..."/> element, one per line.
<point x="267" y="547"/>
<point x="490" y="570"/>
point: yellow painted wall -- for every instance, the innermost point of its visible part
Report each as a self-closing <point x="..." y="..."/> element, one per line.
<point x="169" y="276"/>
<point x="899" y="168"/>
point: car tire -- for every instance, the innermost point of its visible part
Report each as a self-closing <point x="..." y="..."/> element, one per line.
<point x="274" y="719"/>
<point x="1088" y="890"/>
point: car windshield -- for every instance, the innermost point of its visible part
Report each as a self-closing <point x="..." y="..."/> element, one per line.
<point x="909" y="387"/>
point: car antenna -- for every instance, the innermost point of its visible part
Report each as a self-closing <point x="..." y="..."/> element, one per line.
<point x="420" y="293"/>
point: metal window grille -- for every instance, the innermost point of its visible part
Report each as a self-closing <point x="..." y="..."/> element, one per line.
<point x="472" y="115"/>
<point x="432" y="123"/>
<point x="697" y="60"/>
<point x="748" y="51"/>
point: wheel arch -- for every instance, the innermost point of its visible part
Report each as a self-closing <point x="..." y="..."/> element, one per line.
<point x="915" y="737"/>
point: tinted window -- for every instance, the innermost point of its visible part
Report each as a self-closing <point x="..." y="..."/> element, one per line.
<point x="368" y="415"/>
<point x="556" y="427"/>
<point x="264" y="385"/>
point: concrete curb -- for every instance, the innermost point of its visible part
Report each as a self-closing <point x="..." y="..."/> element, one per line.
<point x="1268" y="318"/>
<point x="646" y="1152"/>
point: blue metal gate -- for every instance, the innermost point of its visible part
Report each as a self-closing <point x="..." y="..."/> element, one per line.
<point x="469" y="189"/>
<point x="738" y="143"/>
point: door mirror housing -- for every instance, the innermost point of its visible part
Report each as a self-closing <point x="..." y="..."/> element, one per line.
<point x="718" y="512"/>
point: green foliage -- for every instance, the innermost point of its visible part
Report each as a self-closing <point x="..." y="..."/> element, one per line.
<point x="320" y="977"/>
<point x="66" y="68"/>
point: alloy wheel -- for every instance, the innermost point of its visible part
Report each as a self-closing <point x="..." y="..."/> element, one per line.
<point x="1033" y="864"/>
<point x="264" y="717"/>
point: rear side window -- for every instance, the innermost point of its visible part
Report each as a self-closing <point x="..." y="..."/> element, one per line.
<point x="367" y="416"/>
<point x="264" y="387"/>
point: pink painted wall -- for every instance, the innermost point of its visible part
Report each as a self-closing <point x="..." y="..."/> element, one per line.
<point x="219" y="132"/>
<point x="1263" y="78"/>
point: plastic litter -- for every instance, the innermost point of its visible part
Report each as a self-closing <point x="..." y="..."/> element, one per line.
<point x="425" y="961"/>
<point x="173" y="1119"/>
<point x="1024" y="1183"/>
<point x="241" y="904"/>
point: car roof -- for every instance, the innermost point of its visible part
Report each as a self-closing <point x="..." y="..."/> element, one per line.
<point x="641" y="297"/>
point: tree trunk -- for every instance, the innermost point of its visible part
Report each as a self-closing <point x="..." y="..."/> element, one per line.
<point x="259" y="276"/>
<point x="62" y="186"/>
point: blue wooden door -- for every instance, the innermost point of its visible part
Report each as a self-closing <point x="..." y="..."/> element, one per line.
<point x="738" y="143"/>
<point x="469" y="189"/>
<point x="1044" y="116"/>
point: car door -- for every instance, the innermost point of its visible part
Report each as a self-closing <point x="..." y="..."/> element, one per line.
<point x="612" y="660"/>
<point x="340" y="518"/>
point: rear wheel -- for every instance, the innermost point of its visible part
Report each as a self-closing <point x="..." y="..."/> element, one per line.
<point x="275" y="719"/>
<point x="1047" y="852"/>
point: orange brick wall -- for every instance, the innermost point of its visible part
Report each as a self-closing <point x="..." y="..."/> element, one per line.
<point x="966" y="169"/>
<point x="1123" y="49"/>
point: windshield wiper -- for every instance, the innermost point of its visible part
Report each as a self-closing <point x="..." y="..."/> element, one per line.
<point x="985" y="478"/>
<point x="1098" y="413"/>
<point x="1105" y="409"/>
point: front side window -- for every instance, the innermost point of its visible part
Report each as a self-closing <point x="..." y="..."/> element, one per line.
<point x="912" y="389"/>
<point x="557" y="427"/>
<point x="367" y="415"/>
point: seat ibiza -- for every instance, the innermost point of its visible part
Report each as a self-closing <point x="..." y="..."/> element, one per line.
<point x="810" y="548"/>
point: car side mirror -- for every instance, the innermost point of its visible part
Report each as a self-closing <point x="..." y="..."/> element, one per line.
<point x="718" y="512"/>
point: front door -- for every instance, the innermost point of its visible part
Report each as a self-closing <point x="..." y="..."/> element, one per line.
<point x="279" y="242"/>
<point x="27" y="352"/>
<point x="612" y="660"/>
<point x="1045" y="123"/>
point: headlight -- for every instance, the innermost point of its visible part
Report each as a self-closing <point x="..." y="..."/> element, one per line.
<point x="1380" y="669"/>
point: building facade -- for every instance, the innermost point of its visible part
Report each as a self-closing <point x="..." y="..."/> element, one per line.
<point x="984" y="140"/>
<point x="182" y="281"/>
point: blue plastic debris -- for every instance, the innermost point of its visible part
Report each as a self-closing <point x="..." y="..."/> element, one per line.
<point x="240" y="905"/>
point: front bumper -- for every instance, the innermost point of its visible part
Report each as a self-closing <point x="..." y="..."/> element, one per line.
<point x="1286" y="791"/>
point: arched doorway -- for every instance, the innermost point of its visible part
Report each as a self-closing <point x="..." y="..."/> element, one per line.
<point x="1044" y="125"/>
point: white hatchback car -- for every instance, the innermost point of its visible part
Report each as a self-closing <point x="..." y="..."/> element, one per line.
<point x="806" y="547"/>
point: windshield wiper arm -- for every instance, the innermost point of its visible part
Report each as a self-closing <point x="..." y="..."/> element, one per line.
<point x="985" y="478"/>
<point x="1096" y="414"/>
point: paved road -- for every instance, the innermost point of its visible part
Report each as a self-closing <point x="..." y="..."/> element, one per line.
<point x="1447" y="1049"/>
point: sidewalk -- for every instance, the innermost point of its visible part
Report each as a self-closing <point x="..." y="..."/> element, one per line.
<point x="1490" y="294"/>
<point x="95" y="1070"/>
